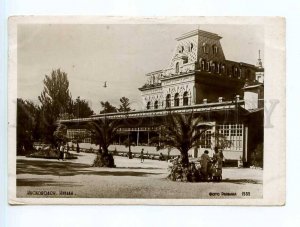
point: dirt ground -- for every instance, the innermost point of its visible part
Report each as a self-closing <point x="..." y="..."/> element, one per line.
<point x="131" y="179"/>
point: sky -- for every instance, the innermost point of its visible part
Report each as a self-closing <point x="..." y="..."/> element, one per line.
<point x="117" y="53"/>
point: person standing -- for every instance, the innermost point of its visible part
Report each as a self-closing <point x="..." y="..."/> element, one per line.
<point x="218" y="164"/>
<point x="218" y="159"/>
<point x="142" y="155"/>
<point x="65" y="153"/>
<point x="58" y="150"/>
<point x="77" y="148"/>
<point x="204" y="161"/>
<point x="61" y="151"/>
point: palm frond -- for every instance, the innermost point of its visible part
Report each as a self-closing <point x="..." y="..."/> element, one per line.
<point x="104" y="131"/>
<point x="182" y="131"/>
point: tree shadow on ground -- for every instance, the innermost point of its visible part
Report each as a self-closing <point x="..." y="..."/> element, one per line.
<point x="241" y="181"/>
<point x="138" y="167"/>
<point x="59" y="168"/>
<point x="44" y="182"/>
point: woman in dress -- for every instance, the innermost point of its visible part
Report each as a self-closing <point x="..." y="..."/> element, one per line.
<point x="204" y="162"/>
<point x="218" y="162"/>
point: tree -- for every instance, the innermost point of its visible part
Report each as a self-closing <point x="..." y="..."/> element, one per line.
<point x="27" y="113"/>
<point x="60" y="134"/>
<point x="183" y="132"/>
<point x="257" y="156"/>
<point x="104" y="131"/>
<point x="107" y="108"/>
<point x="56" y="100"/>
<point x="128" y="143"/>
<point x="81" y="108"/>
<point x="125" y="105"/>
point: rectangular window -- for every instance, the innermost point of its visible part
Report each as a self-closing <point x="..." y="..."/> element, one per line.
<point x="206" y="139"/>
<point x="232" y="133"/>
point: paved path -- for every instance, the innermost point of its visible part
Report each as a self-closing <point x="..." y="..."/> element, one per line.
<point x="131" y="179"/>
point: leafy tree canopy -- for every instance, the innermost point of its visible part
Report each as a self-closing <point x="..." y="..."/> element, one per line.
<point x="60" y="133"/>
<point x="27" y="125"/>
<point x="81" y="108"/>
<point x="56" y="96"/>
<point x="125" y="105"/>
<point x="56" y="100"/>
<point x="107" y="108"/>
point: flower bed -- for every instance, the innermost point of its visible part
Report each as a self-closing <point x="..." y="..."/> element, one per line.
<point x="178" y="172"/>
<point x="191" y="173"/>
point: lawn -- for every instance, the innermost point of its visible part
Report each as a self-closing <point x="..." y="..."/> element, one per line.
<point x="131" y="179"/>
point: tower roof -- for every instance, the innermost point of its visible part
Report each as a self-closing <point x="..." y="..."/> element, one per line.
<point x="199" y="33"/>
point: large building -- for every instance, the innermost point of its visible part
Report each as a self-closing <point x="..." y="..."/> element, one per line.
<point x="226" y="94"/>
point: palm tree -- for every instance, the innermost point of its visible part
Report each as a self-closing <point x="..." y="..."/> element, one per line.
<point x="104" y="131"/>
<point x="183" y="132"/>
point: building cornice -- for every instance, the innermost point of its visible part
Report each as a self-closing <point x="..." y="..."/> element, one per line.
<point x="150" y="87"/>
<point x="198" y="108"/>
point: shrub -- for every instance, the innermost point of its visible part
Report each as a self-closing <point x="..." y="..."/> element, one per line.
<point x="182" y="173"/>
<point x="104" y="160"/>
<point x="257" y="157"/>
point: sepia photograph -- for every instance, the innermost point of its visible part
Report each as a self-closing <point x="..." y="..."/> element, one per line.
<point x="122" y="111"/>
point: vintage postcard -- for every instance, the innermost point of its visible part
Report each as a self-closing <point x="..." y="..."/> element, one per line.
<point x="154" y="111"/>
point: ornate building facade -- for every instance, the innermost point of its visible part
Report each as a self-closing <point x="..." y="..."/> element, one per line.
<point x="198" y="73"/>
<point x="226" y="94"/>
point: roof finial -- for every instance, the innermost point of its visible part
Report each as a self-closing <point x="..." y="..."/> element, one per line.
<point x="259" y="62"/>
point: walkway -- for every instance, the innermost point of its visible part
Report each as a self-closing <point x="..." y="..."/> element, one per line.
<point x="131" y="179"/>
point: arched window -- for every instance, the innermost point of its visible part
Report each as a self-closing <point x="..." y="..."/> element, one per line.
<point x="204" y="48"/>
<point x="191" y="47"/>
<point x="148" y="105"/>
<point x="168" y="100"/>
<point x="240" y="73"/>
<point x="248" y="74"/>
<point x="223" y="69"/>
<point x="215" y="49"/>
<point x="177" y="67"/>
<point x="218" y="67"/>
<point x="185" y="98"/>
<point x="176" y="99"/>
<point x="156" y="104"/>
<point x="234" y="71"/>
<point x="208" y="66"/>
<point x="213" y="67"/>
<point x="203" y="65"/>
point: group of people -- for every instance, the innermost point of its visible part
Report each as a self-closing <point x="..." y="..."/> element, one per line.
<point x="207" y="163"/>
<point x="63" y="151"/>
